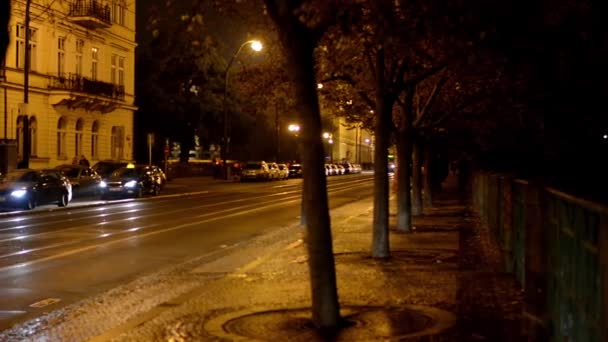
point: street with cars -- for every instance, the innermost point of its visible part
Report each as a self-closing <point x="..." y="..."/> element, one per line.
<point x="53" y="256"/>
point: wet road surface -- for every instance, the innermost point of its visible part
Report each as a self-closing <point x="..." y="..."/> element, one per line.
<point x="52" y="257"/>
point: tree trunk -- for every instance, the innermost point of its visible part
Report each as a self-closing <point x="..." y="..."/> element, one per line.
<point x="404" y="161"/>
<point x="299" y="46"/>
<point x="404" y="188"/>
<point x="428" y="194"/>
<point x="380" y="236"/>
<point x="416" y="179"/>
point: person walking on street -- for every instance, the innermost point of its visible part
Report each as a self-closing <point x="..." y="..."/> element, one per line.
<point x="84" y="161"/>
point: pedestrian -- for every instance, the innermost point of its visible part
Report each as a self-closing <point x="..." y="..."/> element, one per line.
<point x="84" y="161"/>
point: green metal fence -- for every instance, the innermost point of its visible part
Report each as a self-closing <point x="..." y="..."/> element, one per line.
<point x="556" y="245"/>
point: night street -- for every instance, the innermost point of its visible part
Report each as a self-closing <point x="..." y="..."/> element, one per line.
<point x="68" y="254"/>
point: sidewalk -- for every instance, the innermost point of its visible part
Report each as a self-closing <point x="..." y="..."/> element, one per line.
<point x="443" y="283"/>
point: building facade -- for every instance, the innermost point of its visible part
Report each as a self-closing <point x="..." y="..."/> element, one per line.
<point x="349" y="143"/>
<point x="80" y="93"/>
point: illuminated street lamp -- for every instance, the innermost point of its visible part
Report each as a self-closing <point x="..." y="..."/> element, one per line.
<point x="256" y="45"/>
<point x="330" y="139"/>
<point x="294" y="128"/>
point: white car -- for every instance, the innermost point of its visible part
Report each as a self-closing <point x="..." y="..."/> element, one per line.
<point x="283" y="171"/>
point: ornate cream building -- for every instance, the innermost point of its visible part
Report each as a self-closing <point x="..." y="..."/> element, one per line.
<point x="81" y="83"/>
<point x="349" y="143"/>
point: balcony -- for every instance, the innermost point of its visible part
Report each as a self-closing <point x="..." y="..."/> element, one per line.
<point x="90" y="14"/>
<point x="88" y="94"/>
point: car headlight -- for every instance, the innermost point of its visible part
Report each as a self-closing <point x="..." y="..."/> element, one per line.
<point x="18" y="193"/>
<point x="102" y="184"/>
<point x="130" y="184"/>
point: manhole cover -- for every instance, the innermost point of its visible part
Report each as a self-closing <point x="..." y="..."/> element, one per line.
<point x="361" y="323"/>
<point x="400" y="257"/>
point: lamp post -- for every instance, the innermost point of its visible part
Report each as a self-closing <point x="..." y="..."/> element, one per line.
<point x="295" y="130"/>
<point x="330" y="139"/>
<point x="255" y="46"/>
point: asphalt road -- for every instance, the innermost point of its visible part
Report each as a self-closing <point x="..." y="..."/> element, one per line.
<point x="52" y="257"/>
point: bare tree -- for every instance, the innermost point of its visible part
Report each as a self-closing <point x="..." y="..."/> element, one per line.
<point x="301" y="24"/>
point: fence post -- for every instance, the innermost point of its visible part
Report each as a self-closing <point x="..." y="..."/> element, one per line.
<point x="603" y="255"/>
<point x="507" y="221"/>
<point x="536" y="265"/>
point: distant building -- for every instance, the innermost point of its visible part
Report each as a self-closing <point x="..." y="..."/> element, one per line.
<point x="81" y="83"/>
<point x="351" y="143"/>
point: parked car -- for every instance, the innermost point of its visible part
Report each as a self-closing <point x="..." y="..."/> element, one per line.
<point x="275" y="173"/>
<point x="130" y="181"/>
<point x="295" y="170"/>
<point x="105" y="167"/>
<point x="84" y="180"/>
<point x="27" y="188"/>
<point x="283" y="171"/>
<point x="339" y="169"/>
<point x="255" y="171"/>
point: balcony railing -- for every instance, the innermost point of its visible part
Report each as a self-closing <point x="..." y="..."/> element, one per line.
<point x="91" y="13"/>
<point x="81" y="84"/>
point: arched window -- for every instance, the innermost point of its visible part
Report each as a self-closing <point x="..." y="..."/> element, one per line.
<point x="33" y="136"/>
<point x="19" y="135"/>
<point x="116" y="142"/>
<point x="95" y="140"/>
<point x="62" y="125"/>
<point x="78" y="137"/>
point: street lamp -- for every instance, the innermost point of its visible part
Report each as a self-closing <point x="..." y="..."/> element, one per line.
<point x="256" y="45"/>
<point x="330" y="139"/>
<point x="293" y="128"/>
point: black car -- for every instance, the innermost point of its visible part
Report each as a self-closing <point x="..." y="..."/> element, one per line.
<point x="26" y="188"/>
<point x="295" y="170"/>
<point x="105" y="167"/>
<point x="84" y="179"/>
<point x="130" y="181"/>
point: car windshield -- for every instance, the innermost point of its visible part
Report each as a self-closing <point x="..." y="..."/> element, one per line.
<point x="19" y="176"/>
<point x="253" y="166"/>
<point x="71" y="172"/>
<point x="125" y="172"/>
<point x="105" y="169"/>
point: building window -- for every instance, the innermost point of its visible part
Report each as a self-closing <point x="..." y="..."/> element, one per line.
<point x="113" y="69"/>
<point x="117" y="70"/>
<point x="33" y="137"/>
<point x="94" y="62"/>
<point x="19" y="137"/>
<point x="78" y="137"/>
<point x="60" y="56"/>
<point x="61" y="134"/>
<point x="20" y="52"/>
<point x="79" y="52"/>
<point x="121" y="71"/>
<point x="119" y="8"/>
<point x="116" y="142"/>
<point x="95" y="140"/>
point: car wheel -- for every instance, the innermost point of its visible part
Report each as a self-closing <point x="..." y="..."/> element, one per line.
<point x="30" y="203"/>
<point x="63" y="200"/>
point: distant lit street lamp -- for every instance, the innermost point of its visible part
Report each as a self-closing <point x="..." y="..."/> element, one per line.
<point x="256" y="45"/>
<point x="293" y="128"/>
<point x="330" y="139"/>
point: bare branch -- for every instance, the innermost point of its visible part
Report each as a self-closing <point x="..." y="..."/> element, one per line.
<point x="436" y="89"/>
